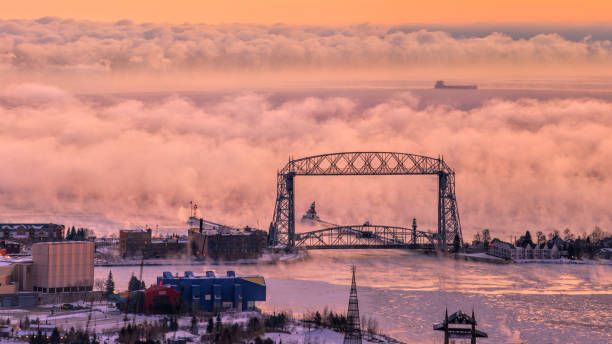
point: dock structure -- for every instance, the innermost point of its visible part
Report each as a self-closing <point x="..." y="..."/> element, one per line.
<point x="460" y="326"/>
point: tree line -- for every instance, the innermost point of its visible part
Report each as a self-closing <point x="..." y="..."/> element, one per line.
<point x="80" y="234"/>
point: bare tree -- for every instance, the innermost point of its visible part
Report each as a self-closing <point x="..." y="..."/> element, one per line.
<point x="99" y="284"/>
<point x="372" y="326"/>
<point x="567" y="234"/>
<point x="597" y="235"/>
<point x="540" y="237"/>
<point x="486" y="236"/>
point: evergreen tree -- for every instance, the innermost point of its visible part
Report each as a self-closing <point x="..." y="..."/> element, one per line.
<point x="135" y="284"/>
<point x="218" y="324"/>
<point x="110" y="284"/>
<point x="456" y="244"/>
<point x="210" y="327"/>
<point x="55" y="336"/>
<point x="194" y="325"/>
<point x="528" y="238"/>
<point x="317" y="318"/>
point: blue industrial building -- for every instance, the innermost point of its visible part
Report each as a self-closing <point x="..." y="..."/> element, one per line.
<point x="212" y="293"/>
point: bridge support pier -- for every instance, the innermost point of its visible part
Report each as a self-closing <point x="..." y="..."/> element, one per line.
<point x="441" y="218"/>
<point x="289" y="180"/>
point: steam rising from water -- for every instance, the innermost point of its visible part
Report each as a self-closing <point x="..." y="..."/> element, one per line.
<point x="127" y="56"/>
<point x="527" y="163"/>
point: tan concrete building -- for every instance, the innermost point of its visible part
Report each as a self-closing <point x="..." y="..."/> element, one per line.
<point x="7" y="283"/>
<point x="63" y="266"/>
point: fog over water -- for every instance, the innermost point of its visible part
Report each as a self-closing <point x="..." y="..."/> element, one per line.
<point x="525" y="159"/>
<point x="121" y="125"/>
<point x="408" y="293"/>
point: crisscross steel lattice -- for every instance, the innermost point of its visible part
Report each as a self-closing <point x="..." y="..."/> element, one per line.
<point x="282" y="228"/>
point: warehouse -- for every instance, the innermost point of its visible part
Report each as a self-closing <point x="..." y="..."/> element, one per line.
<point x="226" y="243"/>
<point x="210" y="293"/>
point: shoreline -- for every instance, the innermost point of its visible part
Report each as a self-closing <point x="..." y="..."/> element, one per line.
<point x="266" y="258"/>
<point x="486" y="258"/>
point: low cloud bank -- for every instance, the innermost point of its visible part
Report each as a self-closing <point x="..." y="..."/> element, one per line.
<point x="526" y="164"/>
<point x="64" y="45"/>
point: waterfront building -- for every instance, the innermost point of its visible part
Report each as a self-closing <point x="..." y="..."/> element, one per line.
<point x="500" y="249"/>
<point x="506" y="250"/>
<point x="31" y="232"/>
<point x="133" y="242"/>
<point x="35" y="329"/>
<point x="604" y="253"/>
<point x="140" y="243"/>
<point x="10" y="247"/>
<point x="210" y="293"/>
<point x="225" y="243"/>
<point x="15" y="275"/>
<point x="63" y="266"/>
<point x="165" y="248"/>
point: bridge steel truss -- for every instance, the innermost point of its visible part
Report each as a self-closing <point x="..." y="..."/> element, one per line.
<point x="365" y="236"/>
<point x="282" y="228"/>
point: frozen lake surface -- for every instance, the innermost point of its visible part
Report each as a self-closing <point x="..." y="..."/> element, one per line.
<point x="407" y="293"/>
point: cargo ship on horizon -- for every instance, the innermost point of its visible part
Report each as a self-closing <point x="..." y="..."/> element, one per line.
<point x="441" y="85"/>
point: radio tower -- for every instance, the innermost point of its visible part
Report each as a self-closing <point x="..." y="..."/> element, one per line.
<point x="353" y="331"/>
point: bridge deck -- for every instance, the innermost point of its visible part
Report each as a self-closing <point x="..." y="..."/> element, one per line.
<point x="365" y="237"/>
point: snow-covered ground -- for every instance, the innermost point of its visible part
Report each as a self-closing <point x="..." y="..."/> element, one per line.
<point x="300" y="334"/>
<point x="482" y="255"/>
<point x="565" y="261"/>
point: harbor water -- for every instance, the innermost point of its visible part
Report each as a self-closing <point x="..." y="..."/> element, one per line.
<point x="407" y="293"/>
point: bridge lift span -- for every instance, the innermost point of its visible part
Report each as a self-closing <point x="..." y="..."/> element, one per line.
<point x="282" y="228"/>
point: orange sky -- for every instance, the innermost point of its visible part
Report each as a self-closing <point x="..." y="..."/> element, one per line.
<point x="326" y="12"/>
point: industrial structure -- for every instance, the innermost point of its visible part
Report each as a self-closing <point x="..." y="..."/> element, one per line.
<point x="459" y="326"/>
<point x="282" y="228"/>
<point x="213" y="241"/>
<point x="353" y="327"/>
<point x="132" y="242"/>
<point x="140" y="243"/>
<point x="210" y="293"/>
